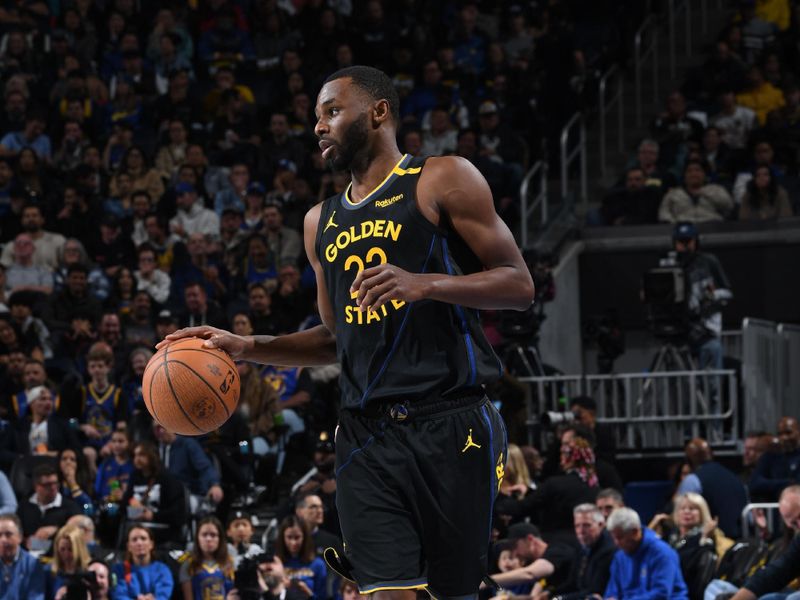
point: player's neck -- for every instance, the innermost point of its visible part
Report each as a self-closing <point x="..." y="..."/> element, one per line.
<point x="367" y="179"/>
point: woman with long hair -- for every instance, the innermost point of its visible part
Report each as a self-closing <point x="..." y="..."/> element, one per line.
<point x="154" y="495"/>
<point x="70" y="556"/>
<point x="690" y="525"/>
<point x="208" y="573"/>
<point x="143" y="176"/>
<point x="30" y="173"/>
<point x="123" y="289"/>
<point x="509" y="505"/>
<point x="76" y="480"/>
<point x="764" y="198"/>
<point x="295" y="547"/>
<point x="140" y="575"/>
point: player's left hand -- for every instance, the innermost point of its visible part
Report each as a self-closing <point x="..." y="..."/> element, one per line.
<point x="378" y="285"/>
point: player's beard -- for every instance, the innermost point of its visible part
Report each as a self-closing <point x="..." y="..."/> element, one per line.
<point x="353" y="147"/>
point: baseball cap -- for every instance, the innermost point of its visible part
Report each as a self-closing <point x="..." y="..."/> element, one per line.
<point x="487" y="107"/>
<point x="166" y="316"/>
<point x="520" y="531"/>
<point x="256" y="189"/>
<point x="184" y="188"/>
<point x="238" y="515"/>
<point x="684" y="231"/>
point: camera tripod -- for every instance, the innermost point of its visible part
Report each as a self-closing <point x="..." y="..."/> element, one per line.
<point x="523" y="360"/>
<point x="668" y="398"/>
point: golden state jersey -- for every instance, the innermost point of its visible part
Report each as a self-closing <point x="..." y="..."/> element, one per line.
<point x="402" y="351"/>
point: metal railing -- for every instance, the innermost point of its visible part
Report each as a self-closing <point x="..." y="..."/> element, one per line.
<point x="748" y="517"/>
<point x="605" y="106"/>
<point x="528" y="206"/>
<point x="732" y="343"/>
<point x="673" y="9"/>
<point x="568" y="156"/>
<point x="788" y="371"/>
<point x="648" y="411"/>
<point x="644" y="48"/>
<point x="760" y="374"/>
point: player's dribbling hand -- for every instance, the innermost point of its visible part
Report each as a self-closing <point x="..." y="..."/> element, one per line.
<point x="378" y="285"/>
<point x="235" y="345"/>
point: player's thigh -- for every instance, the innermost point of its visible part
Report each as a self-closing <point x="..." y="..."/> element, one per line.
<point x="379" y="525"/>
<point x="469" y="473"/>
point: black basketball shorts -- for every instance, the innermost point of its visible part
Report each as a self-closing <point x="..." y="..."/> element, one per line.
<point x="415" y="496"/>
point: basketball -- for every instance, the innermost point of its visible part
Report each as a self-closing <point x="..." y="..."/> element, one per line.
<point x="189" y="389"/>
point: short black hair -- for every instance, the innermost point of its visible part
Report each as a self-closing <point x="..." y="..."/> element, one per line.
<point x="374" y="82"/>
<point x="43" y="470"/>
<point x="585" y="402"/>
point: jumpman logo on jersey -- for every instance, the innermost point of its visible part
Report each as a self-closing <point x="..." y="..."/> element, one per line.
<point x="470" y="443"/>
<point x="330" y="223"/>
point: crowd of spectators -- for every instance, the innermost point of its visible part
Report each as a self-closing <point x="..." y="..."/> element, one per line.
<point x="726" y="145"/>
<point x="156" y="162"/>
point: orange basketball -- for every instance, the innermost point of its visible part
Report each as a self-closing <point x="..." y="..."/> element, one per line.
<point x="189" y="389"/>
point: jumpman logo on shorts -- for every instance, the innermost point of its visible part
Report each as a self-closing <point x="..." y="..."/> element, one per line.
<point x="470" y="443"/>
<point x="330" y="223"/>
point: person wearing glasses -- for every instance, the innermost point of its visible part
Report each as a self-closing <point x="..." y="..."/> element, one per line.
<point x="309" y="507"/>
<point x="46" y="511"/>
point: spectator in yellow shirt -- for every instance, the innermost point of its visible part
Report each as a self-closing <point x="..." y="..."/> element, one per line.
<point x="761" y="96"/>
<point x="774" y="11"/>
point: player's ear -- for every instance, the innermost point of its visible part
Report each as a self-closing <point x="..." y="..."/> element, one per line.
<point x="380" y="112"/>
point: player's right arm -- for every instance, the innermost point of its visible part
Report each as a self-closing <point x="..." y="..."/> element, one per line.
<point x="538" y="569"/>
<point x="312" y="347"/>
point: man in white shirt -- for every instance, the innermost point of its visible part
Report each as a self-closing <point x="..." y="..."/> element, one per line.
<point x="736" y="122"/>
<point x="192" y="216"/>
<point x="47" y="244"/>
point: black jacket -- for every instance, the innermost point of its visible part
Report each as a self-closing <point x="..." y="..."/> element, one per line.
<point x="32" y="518"/>
<point x="59" y="435"/>
<point x="777" y="574"/>
<point x="594" y="576"/>
<point x="551" y="505"/>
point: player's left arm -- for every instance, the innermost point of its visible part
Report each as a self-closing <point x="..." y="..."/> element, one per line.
<point x="452" y="189"/>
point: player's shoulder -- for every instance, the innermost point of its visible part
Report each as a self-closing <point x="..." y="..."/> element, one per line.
<point x="444" y="173"/>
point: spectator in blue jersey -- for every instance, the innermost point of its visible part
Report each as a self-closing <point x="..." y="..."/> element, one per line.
<point x="102" y="407"/>
<point x="295" y="547"/>
<point x="184" y="458"/>
<point x="208" y="572"/>
<point x="644" y="566"/>
<point x="42" y="431"/>
<point x="140" y="576"/>
<point x="294" y="387"/>
<point x="33" y="375"/>
<point x="23" y="575"/>
<point x="115" y="470"/>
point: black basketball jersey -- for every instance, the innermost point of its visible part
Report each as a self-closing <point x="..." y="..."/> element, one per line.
<point x="408" y="351"/>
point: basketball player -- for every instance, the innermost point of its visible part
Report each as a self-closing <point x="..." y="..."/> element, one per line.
<point x="420" y="451"/>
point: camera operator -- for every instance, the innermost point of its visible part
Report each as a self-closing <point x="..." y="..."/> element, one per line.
<point x="273" y="584"/>
<point x="708" y="291"/>
<point x="94" y="584"/>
